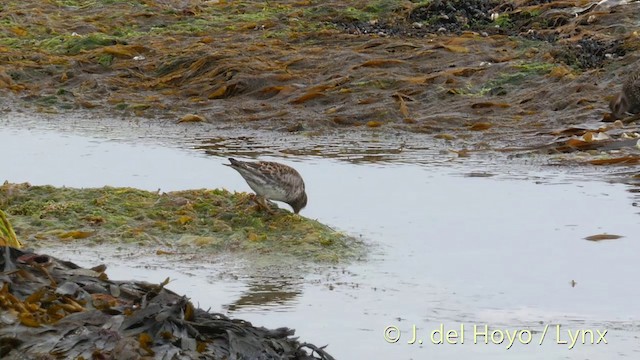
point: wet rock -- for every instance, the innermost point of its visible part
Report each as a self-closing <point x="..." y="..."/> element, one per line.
<point x="589" y="52"/>
<point x="454" y="15"/>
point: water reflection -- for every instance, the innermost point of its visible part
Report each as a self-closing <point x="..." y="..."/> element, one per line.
<point x="265" y="292"/>
<point x="364" y="151"/>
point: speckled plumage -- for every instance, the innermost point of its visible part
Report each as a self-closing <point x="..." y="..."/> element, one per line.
<point x="629" y="98"/>
<point x="274" y="181"/>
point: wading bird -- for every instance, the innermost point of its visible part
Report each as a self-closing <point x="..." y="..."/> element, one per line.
<point x="273" y="181"/>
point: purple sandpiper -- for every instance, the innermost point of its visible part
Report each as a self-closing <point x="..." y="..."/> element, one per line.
<point x="273" y="181"/>
<point x="628" y="101"/>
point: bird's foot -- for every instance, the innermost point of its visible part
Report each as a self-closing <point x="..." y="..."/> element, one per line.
<point x="262" y="203"/>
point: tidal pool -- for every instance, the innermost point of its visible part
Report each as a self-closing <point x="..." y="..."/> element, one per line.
<point x="459" y="243"/>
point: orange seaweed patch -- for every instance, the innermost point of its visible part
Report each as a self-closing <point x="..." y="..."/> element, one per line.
<point x="86" y="104"/>
<point x="482" y="105"/>
<point x="421" y="79"/>
<point x="77" y="234"/>
<point x="560" y="71"/>
<point x="274" y="90"/>
<point x="19" y="31"/>
<point x="191" y="118"/>
<point x="35" y="297"/>
<point x="146" y="341"/>
<point x="306" y="97"/>
<point x="578" y="144"/>
<point x="481" y="126"/>
<point x="184" y="219"/>
<point x="164" y="252"/>
<point x="252" y="236"/>
<point x="103" y="301"/>
<point x="123" y="51"/>
<point x="5" y="79"/>
<point x="220" y="92"/>
<point x="403" y="105"/>
<point x="464" y="71"/>
<point x="584" y="101"/>
<point x="624" y="160"/>
<point x="589" y="136"/>
<point x="445" y="136"/>
<point x="343" y="120"/>
<point x="463" y="39"/>
<point x="455" y="48"/>
<point x="369" y="100"/>
<point x="294" y="61"/>
<point x="321" y="87"/>
<point x="403" y="108"/>
<point x="27" y="319"/>
<point x="380" y="63"/>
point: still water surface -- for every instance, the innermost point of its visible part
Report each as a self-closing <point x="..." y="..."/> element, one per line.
<point x="447" y="248"/>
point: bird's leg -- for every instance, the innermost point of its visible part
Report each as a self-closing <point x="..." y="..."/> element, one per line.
<point x="254" y="198"/>
<point x="261" y="201"/>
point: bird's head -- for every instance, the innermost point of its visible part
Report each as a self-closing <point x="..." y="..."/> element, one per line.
<point x="619" y="105"/>
<point x="299" y="203"/>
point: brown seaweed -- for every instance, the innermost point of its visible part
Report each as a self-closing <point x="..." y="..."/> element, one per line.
<point x="54" y="309"/>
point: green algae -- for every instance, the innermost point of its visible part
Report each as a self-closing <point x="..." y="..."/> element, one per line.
<point x="208" y="220"/>
<point x="525" y="70"/>
<point x="72" y="45"/>
<point x="503" y="21"/>
<point x="105" y="60"/>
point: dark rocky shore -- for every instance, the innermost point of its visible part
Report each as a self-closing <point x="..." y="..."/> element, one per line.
<point x="54" y="309"/>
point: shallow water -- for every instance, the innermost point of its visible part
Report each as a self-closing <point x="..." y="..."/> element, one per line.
<point x="450" y="246"/>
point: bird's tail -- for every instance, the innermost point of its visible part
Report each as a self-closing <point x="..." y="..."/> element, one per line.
<point x="234" y="163"/>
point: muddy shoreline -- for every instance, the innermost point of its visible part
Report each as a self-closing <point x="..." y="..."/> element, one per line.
<point x="489" y="74"/>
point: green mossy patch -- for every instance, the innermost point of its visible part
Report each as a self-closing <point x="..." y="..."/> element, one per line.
<point x="209" y="220"/>
<point x="72" y="45"/>
<point x="525" y="70"/>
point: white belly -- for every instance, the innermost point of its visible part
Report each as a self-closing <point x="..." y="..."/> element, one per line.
<point x="269" y="192"/>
